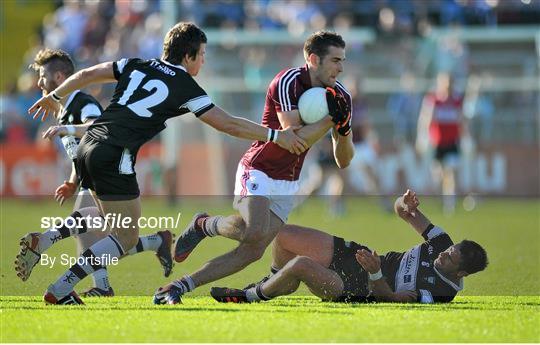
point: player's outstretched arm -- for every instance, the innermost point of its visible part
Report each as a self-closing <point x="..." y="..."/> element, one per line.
<point x="406" y="207"/>
<point x="48" y="105"/>
<point x="245" y="129"/>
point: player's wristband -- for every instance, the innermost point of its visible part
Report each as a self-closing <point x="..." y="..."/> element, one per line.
<point x="375" y="276"/>
<point x="275" y="136"/>
<point x="272" y="135"/>
<point x="71" y="129"/>
<point x="56" y="97"/>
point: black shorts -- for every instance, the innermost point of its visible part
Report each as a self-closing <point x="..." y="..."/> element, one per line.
<point x="441" y="152"/>
<point x="355" y="278"/>
<point x="106" y="169"/>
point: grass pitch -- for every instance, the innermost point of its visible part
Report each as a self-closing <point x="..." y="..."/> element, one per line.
<point x="501" y="304"/>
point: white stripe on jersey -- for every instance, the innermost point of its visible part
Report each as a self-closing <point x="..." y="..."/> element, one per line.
<point x="434" y="232"/>
<point x="120" y="64"/>
<point x="425" y="296"/>
<point x="90" y="110"/>
<point x="408" y="268"/>
<point x="449" y="282"/>
<point x="283" y="85"/>
<point x="197" y="103"/>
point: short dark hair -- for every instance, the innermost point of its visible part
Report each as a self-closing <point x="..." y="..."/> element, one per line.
<point x="473" y="257"/>
<point x="57" y="59"/>
<point x="183" y="38"/>
<point x="318" y="43"/>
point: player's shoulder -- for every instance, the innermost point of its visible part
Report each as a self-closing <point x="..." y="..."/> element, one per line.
<point x="83" y="97"/>
<point x="287" y="75"/>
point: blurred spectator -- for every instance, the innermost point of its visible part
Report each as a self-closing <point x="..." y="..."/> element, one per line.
<point x="403" y="108"/>
<point x="441" y="128"/>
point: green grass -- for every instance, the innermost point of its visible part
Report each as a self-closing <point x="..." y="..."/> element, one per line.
<point x="498" y="305"/>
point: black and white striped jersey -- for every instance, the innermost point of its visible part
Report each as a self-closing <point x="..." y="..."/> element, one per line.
<point x="414" y="270"/>
<point x="148" y="93"/>
<point x="79" y="108"/>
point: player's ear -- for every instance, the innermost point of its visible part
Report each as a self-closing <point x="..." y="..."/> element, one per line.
<point x="314" y="60"/>
<point x="59" y="77"/>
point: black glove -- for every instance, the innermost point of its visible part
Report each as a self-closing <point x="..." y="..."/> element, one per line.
<point x="339" y="110"/>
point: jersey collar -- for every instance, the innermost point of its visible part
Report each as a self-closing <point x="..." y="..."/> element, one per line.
<point x="305" y="79"/>
<point x="449" y="282"/>
<point x="177" y="66"/>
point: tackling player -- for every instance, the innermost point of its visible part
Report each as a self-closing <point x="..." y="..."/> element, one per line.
<point x="147" y="93"/>
<point x="338" y="270"/>
<point x="267" y="175"/>
<point x="77" y="111"/>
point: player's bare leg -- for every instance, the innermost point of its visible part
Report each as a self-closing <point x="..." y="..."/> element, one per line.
<point x="259" y="229"/>
<point x="448" y="189"/>
<point x="122" y="217"/>
<point x="293" y="240"/>
<point x="321" y="281"/>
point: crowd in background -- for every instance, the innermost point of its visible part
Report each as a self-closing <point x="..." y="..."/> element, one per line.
<point x="96" y="31"/>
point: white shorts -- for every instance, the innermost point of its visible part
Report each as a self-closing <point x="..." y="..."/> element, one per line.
<point x="254" y="182"/>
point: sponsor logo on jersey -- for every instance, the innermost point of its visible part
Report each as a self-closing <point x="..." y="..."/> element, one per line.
<point x="430" y="250"/>
<point x="162" y="68"/>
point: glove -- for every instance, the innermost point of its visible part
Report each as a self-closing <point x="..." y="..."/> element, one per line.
<point x="339" y="110"/>
<point x="65" y="191"/>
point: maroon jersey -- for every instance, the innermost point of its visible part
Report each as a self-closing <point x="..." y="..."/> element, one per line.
<point x="282" y="96"/>
<point x="445" y="126"/>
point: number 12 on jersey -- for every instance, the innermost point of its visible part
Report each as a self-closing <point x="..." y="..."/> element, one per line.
<point x="159" y="92"/>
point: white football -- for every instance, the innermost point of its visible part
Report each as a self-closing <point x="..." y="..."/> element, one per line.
<point x="312" y="105"/>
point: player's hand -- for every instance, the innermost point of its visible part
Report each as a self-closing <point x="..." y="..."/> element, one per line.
<point x="291" y="142"/>
<point x="65" y="191"/>
<point x="371" y="262"/>
<point x="339" y="111"/>
<point x="44" y="107"/>
<point x="411" y="202"/>
<point x="53" y="131"/>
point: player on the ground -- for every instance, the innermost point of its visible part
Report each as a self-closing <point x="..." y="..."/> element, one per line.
<point x="338" y="270"/>
<point x="148" y="92"/>
<point x="267" y="175"/>
<point x="77" y="111"/>
<point x="441" y="120"/>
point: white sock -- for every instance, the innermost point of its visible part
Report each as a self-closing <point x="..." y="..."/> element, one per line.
<point x="107" y="246"/>
<point x="101" y="279"/>
<point x="251" y="295"/>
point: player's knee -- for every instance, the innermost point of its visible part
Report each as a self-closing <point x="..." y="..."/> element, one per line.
<point x="127" y="239"/>
<point x="300" y="265"/>
<point x="237" y="222"/>
<point x="253" y="235"/>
